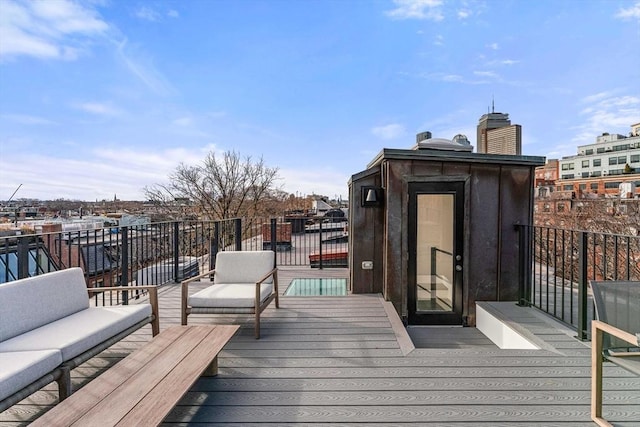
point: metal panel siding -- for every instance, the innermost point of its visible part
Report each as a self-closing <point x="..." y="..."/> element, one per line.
<point x="515" y="207"/>
<point x="484" y="215"/>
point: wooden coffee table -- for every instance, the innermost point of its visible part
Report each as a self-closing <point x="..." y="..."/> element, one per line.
<point x="144" y="387"/>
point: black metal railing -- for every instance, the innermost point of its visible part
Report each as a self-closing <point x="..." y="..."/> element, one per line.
<point x="557" y="264"/>
<point x="166" y="252"/>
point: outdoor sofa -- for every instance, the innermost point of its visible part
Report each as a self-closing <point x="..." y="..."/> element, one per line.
<point x="47" y="328"/>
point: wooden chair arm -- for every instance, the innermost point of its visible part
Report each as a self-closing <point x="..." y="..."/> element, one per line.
<point x="153" y="300"/>
<point x="198" y="277"/>
<point x="266" y="276"/>
<point x="616" y="332"/>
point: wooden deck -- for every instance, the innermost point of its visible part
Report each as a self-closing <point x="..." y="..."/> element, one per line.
<point x="348" y="361"/>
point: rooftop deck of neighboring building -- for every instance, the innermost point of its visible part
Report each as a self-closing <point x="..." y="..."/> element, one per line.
<point x="347" y="360"/>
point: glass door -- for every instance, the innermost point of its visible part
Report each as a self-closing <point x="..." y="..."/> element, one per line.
<point x="435" y="252"/>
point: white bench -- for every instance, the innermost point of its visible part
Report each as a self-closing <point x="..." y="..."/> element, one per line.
<point x="47" y="328"/>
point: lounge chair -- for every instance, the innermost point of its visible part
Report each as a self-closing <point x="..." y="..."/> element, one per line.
<point x="244" y="282"/>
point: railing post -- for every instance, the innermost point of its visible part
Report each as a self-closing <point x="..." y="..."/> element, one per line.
<point x="176" y="251"/>
<point x="22" y="251"/>
<point x="213" y="250"/>
<point x="238" y="233"/>
<point x="124" y="276"/>
<point x="525" y="264"/>
<point x="582" y="285"/>
<point x="320" y="244"/>
<point x="274" y="234"/>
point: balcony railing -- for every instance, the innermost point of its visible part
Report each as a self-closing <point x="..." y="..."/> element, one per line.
<point x="159" y="253"/>
<point x="557" y="264"/>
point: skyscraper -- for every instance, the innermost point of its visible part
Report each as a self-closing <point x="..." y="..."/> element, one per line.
<point x="496" y="134"/>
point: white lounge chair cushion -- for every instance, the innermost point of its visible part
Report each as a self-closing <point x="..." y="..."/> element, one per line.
<point x="230" y="295"/>
<point x="36" y="301"/>
<point x="80" y="331"/>
<point x="21" y="368"/>
<point x="243" y="266"/>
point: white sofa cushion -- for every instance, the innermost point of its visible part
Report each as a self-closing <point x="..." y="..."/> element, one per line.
<point x="29" y="303"/>
<point x="243" y="266"/>
<point x="18" y="369"/>
<point x="80" y="331"/>
<point x="230" y="295"/>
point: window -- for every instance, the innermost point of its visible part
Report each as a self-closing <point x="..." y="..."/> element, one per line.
<point x="585" y="163"/>
<point x="560" y="207"/>
<point x="593" y="185"/>
<point x="583" y="186"/>
<point x="589" y="151"/>
<point x="585" y="174"/>
<point x="622" y="160"/>
<point x="568" y="176"/>
<point x="597" y="162"/>
<point x="596" y="173"/>
<point x="613" y="160"/>
<point x="567" y="187"/>
<point x="616" y="171"/>
<point x="567" y="166"/>
<point x="613" y="184"/>
<point x="600" y="150"/>
<point x="621" y="147"/>
<point x="635" y="158"/>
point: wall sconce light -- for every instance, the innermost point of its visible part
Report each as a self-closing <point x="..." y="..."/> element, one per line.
<point x="371" y="196"/>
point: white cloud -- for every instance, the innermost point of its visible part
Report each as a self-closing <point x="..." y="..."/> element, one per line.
<point x="439" y="41"/>
<point x="26" y="119"/>
<point x="493" y="46"/>
<point x="391" y="131"/>
<point x="490" y="74"/>
<point x="183" y="121"/>
<point x="47" y="29"/>
<point x="173" y="14"/>
<point x="417" y="9"/>
<point x="306" y="182"/>
<point x="143" y="68"/>
<point x="464" y="13"/>
<point x="629" y="13"/>
<point x="121" y="171"/>
<point x="99" y="109"/>
<point x="148" y="14"/>
<point x="606" y="112"/>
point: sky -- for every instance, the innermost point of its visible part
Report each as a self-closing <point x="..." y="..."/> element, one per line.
<point x="102" y="98"/>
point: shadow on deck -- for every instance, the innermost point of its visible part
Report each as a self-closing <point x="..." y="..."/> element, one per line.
<point x="345" y="361"/>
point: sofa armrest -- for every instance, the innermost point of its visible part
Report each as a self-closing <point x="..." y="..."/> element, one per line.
<point x="153" y="300"/>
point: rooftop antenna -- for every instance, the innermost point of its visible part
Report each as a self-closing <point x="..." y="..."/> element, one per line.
<point x="493" y="109"/>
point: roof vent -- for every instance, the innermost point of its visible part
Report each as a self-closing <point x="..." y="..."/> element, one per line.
<point x="459" y="143"/>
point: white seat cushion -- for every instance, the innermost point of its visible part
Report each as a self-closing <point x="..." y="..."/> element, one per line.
<point x="80" y="331"/>
<point x="21" y="368"/>
<point x="230" y="295"/>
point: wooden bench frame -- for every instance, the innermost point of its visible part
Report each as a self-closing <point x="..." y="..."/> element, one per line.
<point x="146" y="385"/>
<point x="599" y="353"/>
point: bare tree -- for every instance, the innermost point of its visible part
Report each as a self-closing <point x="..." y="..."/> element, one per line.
<point x="228" y="186"/>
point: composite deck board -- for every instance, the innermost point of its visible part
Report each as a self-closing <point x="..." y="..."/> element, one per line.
<point x="337" y="361"/>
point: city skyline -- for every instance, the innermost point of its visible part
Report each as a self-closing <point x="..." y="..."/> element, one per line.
<point x="105" y="97"/>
